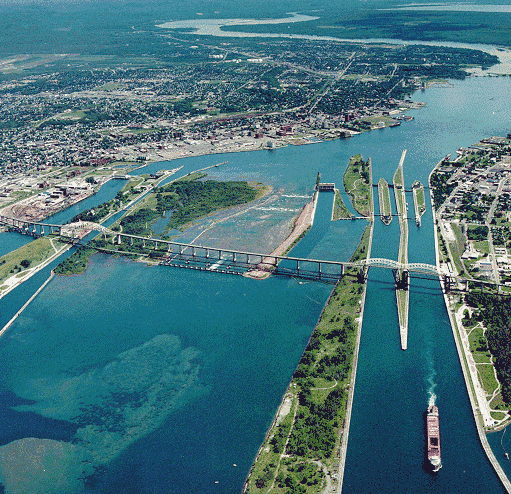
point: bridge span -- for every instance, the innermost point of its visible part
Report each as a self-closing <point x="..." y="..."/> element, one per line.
<point x="212" y="258"/>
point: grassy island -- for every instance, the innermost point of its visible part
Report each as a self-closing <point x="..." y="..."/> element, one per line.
<point x="182" y="201"/>
<point x="340" y="211"/>
<point x="302" y="447"/>
<point x="76" y="263"/>
<point x="358" y="185"/>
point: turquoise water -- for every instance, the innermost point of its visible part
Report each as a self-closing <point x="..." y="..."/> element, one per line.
<point x="148" y="365"/>
<point x="10" y="241"/>
<point x="147" y="380"/>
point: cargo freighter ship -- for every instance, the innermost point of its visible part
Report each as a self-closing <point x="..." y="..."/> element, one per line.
<point x="433" y="433"/>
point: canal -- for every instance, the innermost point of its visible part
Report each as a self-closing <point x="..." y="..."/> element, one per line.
<point x="147" y="379"/>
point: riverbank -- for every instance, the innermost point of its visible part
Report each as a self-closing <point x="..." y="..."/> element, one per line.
<point x="345" y="433"/>
<point x="27" y="252"/>
<point x="471" y="380"/>
<point x="330" y="393"/>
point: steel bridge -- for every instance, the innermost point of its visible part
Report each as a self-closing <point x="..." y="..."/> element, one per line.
<point x="212" y="258"/>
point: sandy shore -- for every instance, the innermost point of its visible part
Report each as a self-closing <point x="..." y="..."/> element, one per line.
<point x="301" y="224"/>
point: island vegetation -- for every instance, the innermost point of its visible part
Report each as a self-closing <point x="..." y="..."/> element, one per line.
<point x="77" y="262"/>
<point x="301" y="449"/>
<point x="357" y="184"/>
<point x="340" y="211"/>
<point x="181" y="201"/>
<point x="185" y="201"/>
<point x="419" y="201"/>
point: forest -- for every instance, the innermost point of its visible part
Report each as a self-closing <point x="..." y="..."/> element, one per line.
<point x="494" y="312"/>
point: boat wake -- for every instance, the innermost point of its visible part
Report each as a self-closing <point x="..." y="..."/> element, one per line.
<point x="430" y="379"/>
<point x="432" y="399"/>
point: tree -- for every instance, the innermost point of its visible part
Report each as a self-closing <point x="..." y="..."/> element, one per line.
<point x="25" y="263"/>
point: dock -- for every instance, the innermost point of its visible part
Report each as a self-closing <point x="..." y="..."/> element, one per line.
<point x="384" y="199"/>
<point x="419" y="201"/>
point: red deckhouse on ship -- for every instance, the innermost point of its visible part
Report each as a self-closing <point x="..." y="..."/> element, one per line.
<point x="433" y="433"/>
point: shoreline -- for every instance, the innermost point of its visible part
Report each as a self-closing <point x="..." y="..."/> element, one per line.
<point x="32" y="271"/>
<point x="301" y="225"/>
<point x="343" y="449"/>
<point x="334" y="478"/>
<point x="468" y="378"/>
<point x="349" y="407"/>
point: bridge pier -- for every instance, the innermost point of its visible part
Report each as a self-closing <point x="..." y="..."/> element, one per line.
<point x="447" y="283"/>
<point x="402" y="279"/>
<point x="361" y="276"/>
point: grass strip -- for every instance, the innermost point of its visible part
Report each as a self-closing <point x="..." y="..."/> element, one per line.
<point x="301" y="450"/>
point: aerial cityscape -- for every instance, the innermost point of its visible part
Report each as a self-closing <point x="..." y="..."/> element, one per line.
<point x="260" y="249"/>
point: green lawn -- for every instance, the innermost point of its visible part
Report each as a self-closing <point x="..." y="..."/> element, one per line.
<point x="487" y="378"/>
<point x="340" y="210"/>
<point x="34" y="252"/>
<point x="482" y="246"/>
<point x="356" y="184"/>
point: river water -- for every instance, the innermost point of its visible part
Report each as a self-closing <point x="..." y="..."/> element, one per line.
<point x="141" y="379"/>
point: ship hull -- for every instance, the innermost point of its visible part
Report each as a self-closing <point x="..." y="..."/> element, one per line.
<point x="433" y="438"/>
